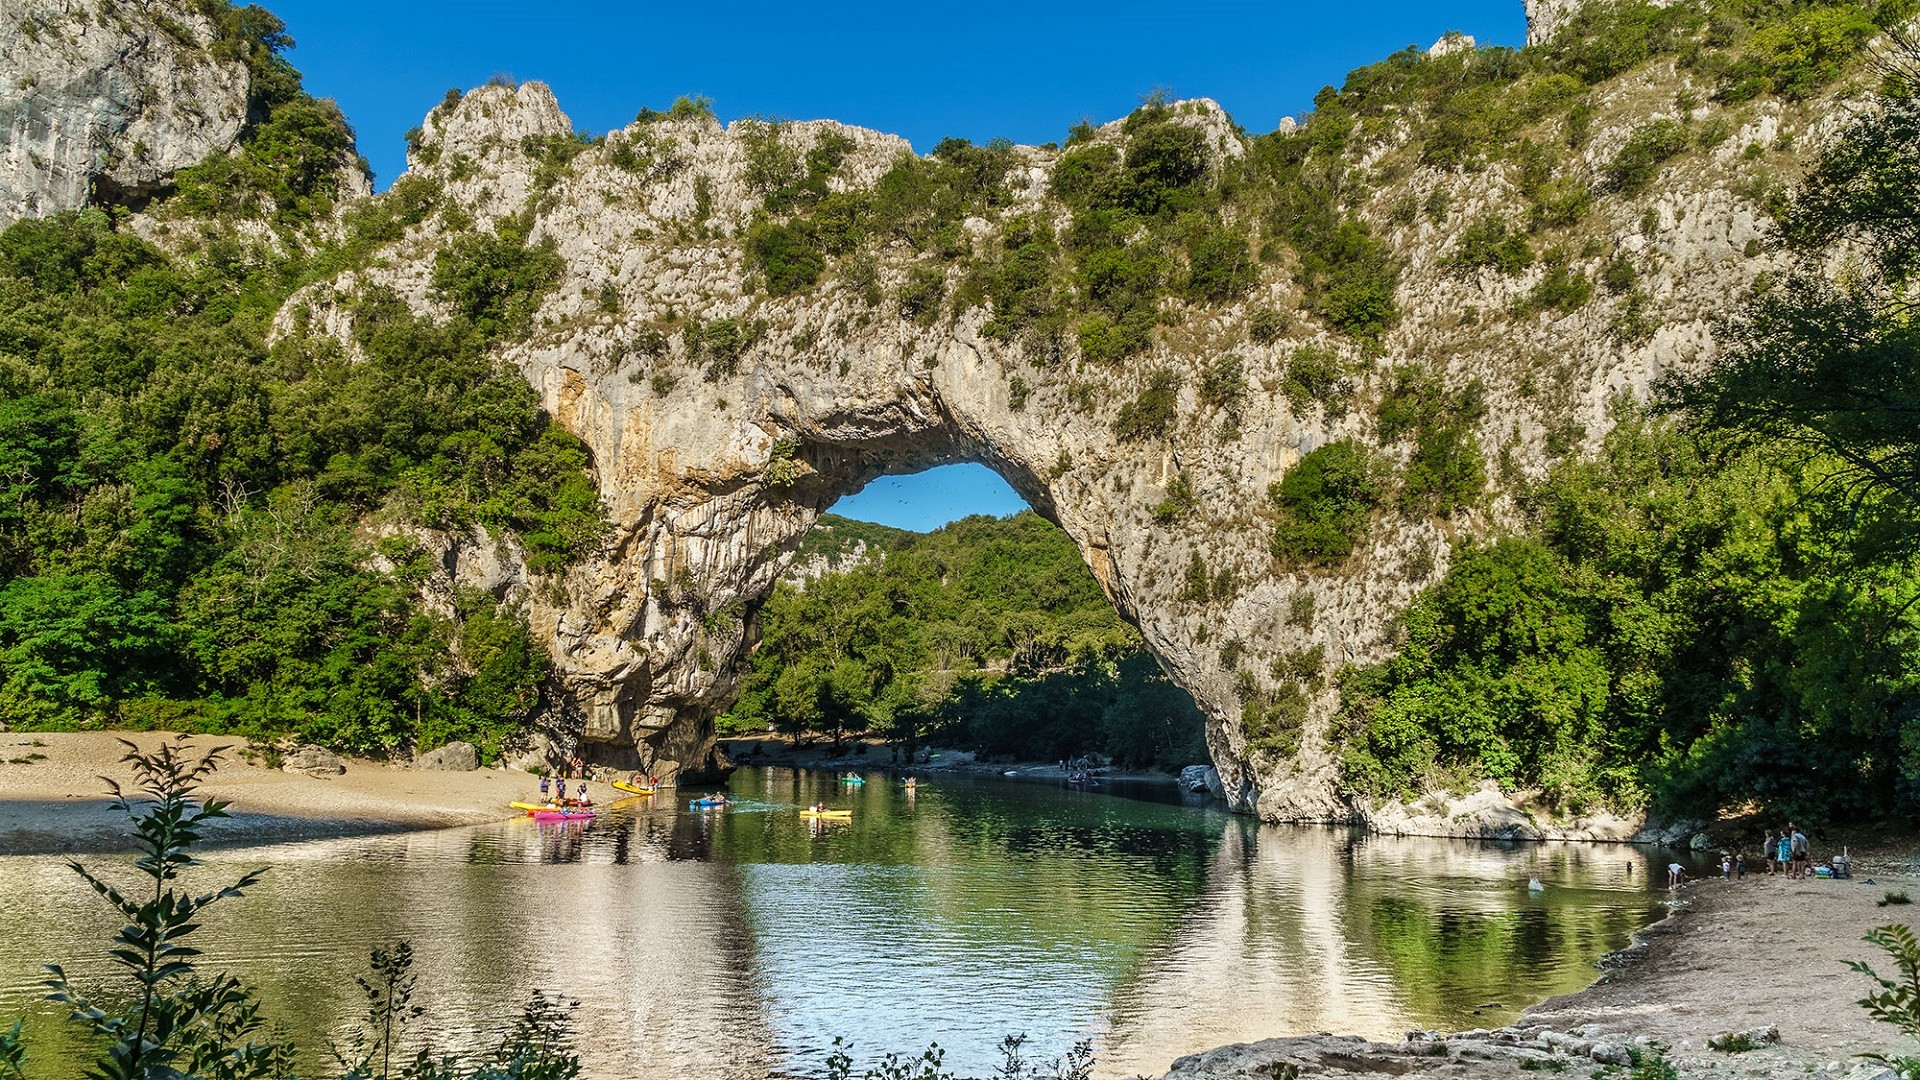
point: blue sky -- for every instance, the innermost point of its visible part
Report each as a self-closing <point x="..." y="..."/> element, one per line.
<point x="1020" y="69"/>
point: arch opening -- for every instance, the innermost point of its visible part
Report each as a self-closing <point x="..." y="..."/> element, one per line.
<point x="978" y="627"/>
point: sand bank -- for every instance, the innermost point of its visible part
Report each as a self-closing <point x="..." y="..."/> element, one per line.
<point x="52" y="795"/>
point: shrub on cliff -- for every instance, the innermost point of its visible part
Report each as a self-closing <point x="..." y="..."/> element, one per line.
<point x="1639" y="160"/>
<point x="787" y="256"/>
<point x="1800" y="55"/>
<point x="1323" y="504"/>
<point x="496" y="279"/>
<point x="1151" y="414"/>
<point x="1491" y="244"/>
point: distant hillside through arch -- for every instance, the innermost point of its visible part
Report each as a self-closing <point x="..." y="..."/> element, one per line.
<point x="988" y="633"/>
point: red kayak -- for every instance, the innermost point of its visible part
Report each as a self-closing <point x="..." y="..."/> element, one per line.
<point x="563" y="815"/>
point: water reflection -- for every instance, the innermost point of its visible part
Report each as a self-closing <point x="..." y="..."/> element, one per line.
<point x="740" y="943"/>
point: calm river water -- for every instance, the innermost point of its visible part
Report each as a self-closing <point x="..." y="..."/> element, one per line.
<point x="740" y="943"/>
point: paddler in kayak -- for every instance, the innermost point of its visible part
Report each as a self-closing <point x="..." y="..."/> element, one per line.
<point x="583" y="800"/>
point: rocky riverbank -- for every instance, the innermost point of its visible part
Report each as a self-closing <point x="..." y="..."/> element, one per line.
<point x="1758" y="963"/>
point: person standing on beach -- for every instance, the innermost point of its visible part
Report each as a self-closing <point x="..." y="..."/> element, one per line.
<point x="1783" y="852"/>
<point x="1766" y="852"/>
<point x="1801" y="854"/>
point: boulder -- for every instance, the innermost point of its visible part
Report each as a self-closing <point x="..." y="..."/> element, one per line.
<point x="453" y="757"/>
<point x="1608" y="1054"/>
<point x="1199" y="778"/>
<point x="313" y="761"/>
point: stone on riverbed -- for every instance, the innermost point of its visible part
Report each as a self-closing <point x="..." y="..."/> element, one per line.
<point x="1482" y="1052"/>
<point x="1734" y="1042"/>
<point x="1199" y="778"/>
<point x="1608" y="1054"/>
<point x="453" y="757"/>
<point x="313" y="761"/>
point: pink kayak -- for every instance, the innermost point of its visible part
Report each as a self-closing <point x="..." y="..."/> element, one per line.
<point x="563" y="815"/>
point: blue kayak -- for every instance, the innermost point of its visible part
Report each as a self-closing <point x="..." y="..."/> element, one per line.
<point x="708" y="804"/>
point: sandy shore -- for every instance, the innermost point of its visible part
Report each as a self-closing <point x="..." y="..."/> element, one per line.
<point x="1747" y="956"/>
<point x="52" y="797"/>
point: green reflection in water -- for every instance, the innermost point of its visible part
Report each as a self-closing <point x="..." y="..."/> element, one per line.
<point x="738" y="944"/>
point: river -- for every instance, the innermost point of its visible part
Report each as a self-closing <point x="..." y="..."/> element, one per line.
<point x="741" y="943"/>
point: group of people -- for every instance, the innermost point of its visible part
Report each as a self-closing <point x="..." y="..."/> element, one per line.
<point x="1787" y="852"/>
<point x="554" y="790"/>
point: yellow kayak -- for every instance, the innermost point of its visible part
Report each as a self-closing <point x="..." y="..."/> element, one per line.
<point x="635" y="789"/>
<point x="530" y="807"/>
<point x="830" y="815"/>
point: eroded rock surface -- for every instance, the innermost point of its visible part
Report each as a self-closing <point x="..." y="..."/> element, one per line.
<point x="107" y="97"/>
<point x="713" y="467"/>
<point x="723" y="416"/>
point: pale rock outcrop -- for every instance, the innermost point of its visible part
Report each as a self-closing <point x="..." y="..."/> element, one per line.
<point x="453" y="757"/>
<point x="107" y="97"/>
<point x="1546" y="17"/>
<point x="312" y="761"/>
<point x="1491" y="814"/>
<point x="1452" y="43"/>
<point x="802" y="571"/>
<point x="712" y="468"/>
<point x="646" y="635"/>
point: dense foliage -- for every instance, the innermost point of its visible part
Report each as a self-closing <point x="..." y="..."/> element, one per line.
<point x="190" y="514"/>
<point x="1715" y="617"/>
<point x="1695" y="629"/>
<point x="987" y="633"/>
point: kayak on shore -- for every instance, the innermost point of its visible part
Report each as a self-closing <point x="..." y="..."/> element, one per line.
<point x="563" y="815"/>
<point x="633" y="789"/>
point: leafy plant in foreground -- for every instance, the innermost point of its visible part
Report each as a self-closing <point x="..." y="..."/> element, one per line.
<point x="13" y="1052"/>
<point x="175" y="1023"/>
<point x="929" y="1064"/>
<point x="1897" y="1002"/>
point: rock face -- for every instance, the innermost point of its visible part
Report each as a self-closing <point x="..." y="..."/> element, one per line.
<point x="712" y="469"/>
<point x="453" y="757"/>
<point x="107" y="97"/>
<point x="724" y="418"/>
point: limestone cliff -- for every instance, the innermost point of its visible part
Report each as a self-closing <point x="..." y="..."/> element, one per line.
<point x="728" y="399"/>
<point x="108" y="99"/>
<point x="713" y="466"/>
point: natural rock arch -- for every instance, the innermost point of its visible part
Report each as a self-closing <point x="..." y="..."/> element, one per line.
<point x="723" y="419"/>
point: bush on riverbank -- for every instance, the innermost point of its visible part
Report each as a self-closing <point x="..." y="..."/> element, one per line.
<point x="1723" y="608"/>
<point x="185" y="540"/>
